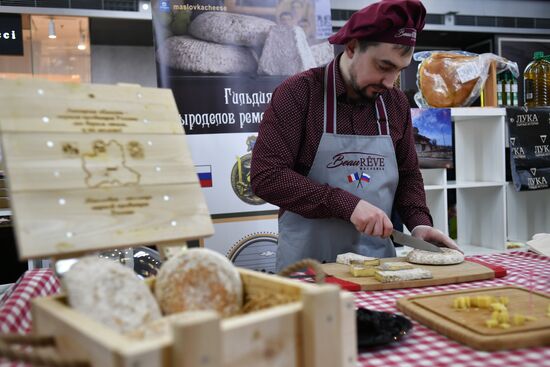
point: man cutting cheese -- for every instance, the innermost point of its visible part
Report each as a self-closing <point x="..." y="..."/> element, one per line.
<point x="335" y="150"/>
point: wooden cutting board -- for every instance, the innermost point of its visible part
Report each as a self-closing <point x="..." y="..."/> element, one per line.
<point x="442" y="274"/>
<point x="468" y="326"/>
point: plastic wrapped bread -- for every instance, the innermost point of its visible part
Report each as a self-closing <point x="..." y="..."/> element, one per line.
<point x="441" y="82"/>
<point x="230" y="28"/>
<point x="454" y="78"/>
<point x="286" y="52"/>
<point x="189" y="54"/>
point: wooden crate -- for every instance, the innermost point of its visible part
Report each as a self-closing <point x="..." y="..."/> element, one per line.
<point x="93" y="167"/>
<point x="317" y="329"/>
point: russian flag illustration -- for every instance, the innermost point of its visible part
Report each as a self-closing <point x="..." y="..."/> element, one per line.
<point x="365" y="177"/>
<point x="205" y="175"/>
<point x="353" y="177"/>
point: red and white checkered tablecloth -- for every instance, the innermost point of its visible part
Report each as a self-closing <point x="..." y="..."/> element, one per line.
<point x="15" y="304"/>
<point x="425" y="347"/>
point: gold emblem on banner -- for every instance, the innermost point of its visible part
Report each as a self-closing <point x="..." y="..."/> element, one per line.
<point x="240" y="176"/>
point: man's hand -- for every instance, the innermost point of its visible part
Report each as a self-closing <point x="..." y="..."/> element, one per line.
<point x="371" y="220"/>
<point x="434" y="236"/>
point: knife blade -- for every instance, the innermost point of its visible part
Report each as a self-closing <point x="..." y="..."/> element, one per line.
<point x="408" y="240"/>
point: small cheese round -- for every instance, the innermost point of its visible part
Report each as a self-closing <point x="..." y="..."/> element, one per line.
<point x="110" y="293"/>
<point x="199" y="279"/>
<point x="447" y="257"/>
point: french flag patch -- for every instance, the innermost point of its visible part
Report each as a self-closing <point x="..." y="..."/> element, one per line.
<point x="353" y="177"/>
<point x="205" y="175"/>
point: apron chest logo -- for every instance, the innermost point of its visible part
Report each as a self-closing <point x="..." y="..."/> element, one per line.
<point x="359" y="160"/>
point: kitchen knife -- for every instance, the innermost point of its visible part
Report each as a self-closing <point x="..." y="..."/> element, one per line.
<point x="408" y="240"/>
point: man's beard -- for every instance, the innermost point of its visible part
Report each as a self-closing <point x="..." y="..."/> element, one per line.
<point x="361" y="95"/>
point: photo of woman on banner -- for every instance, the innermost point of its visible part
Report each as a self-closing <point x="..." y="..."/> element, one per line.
<point x="227" y="37"/>
<point x="335" y="149"/>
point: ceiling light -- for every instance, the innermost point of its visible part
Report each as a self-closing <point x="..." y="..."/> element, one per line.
<point x="144" y="6"/>
<point x="51" y="30"/>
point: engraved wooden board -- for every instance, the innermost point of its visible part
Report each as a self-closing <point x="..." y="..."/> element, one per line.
<point x="442" y="274"/>
<point x="93" y="167"/>
<point x="468" y="326"/>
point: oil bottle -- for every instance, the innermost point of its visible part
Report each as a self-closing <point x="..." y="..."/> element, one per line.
<point x="536" y="81"/>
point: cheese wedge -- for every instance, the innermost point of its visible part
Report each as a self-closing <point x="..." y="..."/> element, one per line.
<point x="350" y="257"/>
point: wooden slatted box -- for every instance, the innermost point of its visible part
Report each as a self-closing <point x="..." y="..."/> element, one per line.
<point x="93" y="167"/>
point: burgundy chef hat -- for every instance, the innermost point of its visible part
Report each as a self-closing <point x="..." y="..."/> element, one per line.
<point x="390" y="21"/>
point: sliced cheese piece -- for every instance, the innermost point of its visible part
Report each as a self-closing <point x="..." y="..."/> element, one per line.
<point x="395" y="265"/>
<point x="400" y="275"/>
<point x="358" y="270"/>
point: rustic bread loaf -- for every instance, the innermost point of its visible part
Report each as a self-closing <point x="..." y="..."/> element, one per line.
<point x="230" y="28"/>
<point x="286" y="52"/>
<point x="441" y="81"/>
<point x="199" y="279"/>
<point x="109" y="293"/>
<point x="189" y="54"/>
<point x="447" y="257"/>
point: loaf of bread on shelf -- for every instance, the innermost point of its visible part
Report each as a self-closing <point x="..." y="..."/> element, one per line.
<point x="199" y="279"/>
<point x="447" y="79"/>
<point x="389" y="276"/>
<point x="110" y="293"/>
<point x="351" y="257"/>
<point x="448" y="256"/>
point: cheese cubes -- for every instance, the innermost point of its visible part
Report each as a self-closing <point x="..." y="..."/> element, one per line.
<point x="500" y="316"/>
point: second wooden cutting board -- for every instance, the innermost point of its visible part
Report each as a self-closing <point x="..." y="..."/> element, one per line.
<point x="442" y="274"/>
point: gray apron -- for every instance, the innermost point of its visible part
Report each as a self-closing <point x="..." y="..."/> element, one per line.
<point x="363" y="165"/>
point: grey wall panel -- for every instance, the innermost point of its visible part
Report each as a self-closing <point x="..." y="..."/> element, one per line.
<point x="124" y="64"/>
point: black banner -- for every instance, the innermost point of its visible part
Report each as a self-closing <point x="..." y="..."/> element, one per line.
<point x="529" y="131"/>
<point x="11" y="34"/>
<point x="222" y="104"/>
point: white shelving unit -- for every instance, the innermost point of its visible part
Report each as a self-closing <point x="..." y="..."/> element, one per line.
<point x="489" y="211"/>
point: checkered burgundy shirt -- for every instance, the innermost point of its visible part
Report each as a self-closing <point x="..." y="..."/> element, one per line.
<point x="289" y="136"/>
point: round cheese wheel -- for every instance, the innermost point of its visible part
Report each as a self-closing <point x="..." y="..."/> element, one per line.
<point x="447" y="257"/>
<point x="230" y="28"/>
<point x="110" y="293"/>
<point x="441" y="79"/>
<point x="199" y="279"/>
<point x="189" y="54"/>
